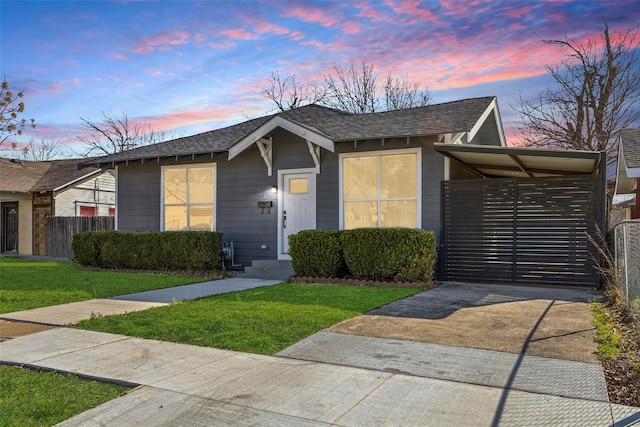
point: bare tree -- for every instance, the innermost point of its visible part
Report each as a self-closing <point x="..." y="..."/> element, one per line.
<point x="114" y="134"/>
<point x="288" y="94"/>
<point x="352" y="88"/>
<point x="597" y="93"/>
<point x="10" y="108"/>
<point x="45" y="149"/>
<point x="401" y="94"/>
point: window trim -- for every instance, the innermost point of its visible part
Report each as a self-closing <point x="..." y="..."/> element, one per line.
<point x="378" y="153"/>
<point x="188" y="166"/>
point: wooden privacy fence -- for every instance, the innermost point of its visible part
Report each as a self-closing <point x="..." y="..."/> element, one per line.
<point x="60" y="231"/>
<point x="521" y="230"/>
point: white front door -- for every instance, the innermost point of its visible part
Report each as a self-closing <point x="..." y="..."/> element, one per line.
<point x="297" y="210"/>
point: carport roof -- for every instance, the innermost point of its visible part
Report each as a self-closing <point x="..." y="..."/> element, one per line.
<point x="513" y="162"/>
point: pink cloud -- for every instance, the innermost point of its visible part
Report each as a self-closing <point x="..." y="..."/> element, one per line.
<point x="173" y="119"/>
<point x="412" y="8"/>
<point x="120" y="57"/>
<point x="162" y="40"/>
<point x="351" y="27"/>
<point x="517" y="12"/>
<point x="311" y="14"/>
<point x="238" y="34"/>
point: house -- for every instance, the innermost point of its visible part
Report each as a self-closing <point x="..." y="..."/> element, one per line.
<point x="32" y="191"/>
<point x="627" y="195"/>
<point x="314" y="167"/>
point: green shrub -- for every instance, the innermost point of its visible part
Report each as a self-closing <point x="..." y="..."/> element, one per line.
<point x="88" y="246"/>
<point x="317" y="253"/>
<point x="169" y="251"/>
<point x="390" y="254"/>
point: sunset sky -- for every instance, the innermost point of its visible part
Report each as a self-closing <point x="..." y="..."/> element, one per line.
<point x="191" y="66"/>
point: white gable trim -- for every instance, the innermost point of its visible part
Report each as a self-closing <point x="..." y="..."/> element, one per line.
<point x="78" y="180"/>
<point x="491" y="109"/>
<point x="275" y="122"/>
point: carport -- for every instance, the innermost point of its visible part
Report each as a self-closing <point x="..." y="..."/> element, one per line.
<point x="521" y="215"/>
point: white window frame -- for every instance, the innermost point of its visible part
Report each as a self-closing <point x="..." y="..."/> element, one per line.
<point x="188" y="166"/>
<point x="379" y="153"/>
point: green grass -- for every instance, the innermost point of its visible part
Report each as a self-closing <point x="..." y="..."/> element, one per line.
<point x="30" y="398"/>
<point x="607" y="338"/>
<point x="263" y="320"/>
<point x="26" y="284"/>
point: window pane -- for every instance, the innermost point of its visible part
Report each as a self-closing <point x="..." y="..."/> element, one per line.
<point x="201" y="218"/>
<point x="400" y="213"/>
<point x="298" y="185"/>
<point x="360" y="178"/>
<point x="175" y="186"/>
<point x="360" y="214"/>
<point x="201" y="185"/>
<point x="175" y="218"/>
<point x="398" y="176"/>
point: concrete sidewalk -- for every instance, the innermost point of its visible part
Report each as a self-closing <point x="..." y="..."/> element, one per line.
<point x="72" y="313"/>
<point x="189" y="385"/>
<point x="333" y="378"/>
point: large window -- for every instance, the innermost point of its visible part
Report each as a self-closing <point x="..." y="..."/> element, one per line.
<point x="380" y="189"/>
<point x="188" y="197"/>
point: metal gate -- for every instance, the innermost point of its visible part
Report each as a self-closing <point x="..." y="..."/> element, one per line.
<point x="521" y="230"/>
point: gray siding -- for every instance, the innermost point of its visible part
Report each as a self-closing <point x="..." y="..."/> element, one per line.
<point x="138" y="192"/>
<point x="244" y="181"/>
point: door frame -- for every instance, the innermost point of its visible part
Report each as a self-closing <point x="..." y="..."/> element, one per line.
<point x="311" y="172"/>
<point x="3" y="233"/>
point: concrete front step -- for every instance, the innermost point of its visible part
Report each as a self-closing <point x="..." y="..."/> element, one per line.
<point x="269" y="270"/>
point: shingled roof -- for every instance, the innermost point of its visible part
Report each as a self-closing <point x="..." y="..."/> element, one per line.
<point x="25" y="176"/>
<point x="630" y="140"/>
<point x="339" y="126"/>
<point x="628" y="160"/>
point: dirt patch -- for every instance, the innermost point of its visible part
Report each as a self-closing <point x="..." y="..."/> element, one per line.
<point x="623" y="373"/>
<point x="497" y="318"/>
<point x="9" y="329"/>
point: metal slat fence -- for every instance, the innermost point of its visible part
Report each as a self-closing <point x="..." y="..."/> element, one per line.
<point x="60" y="231"/>
<point x="627" y="257"/>
<point x="521" y="230"/>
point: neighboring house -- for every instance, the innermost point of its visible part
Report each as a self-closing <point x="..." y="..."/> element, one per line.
<point x="314" y="167"/>
<point x="32" y="191"/>
<point x="627" y="196"/>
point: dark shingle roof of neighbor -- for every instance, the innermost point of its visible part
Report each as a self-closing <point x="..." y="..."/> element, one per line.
<point x="631" y="147"/>
<point x="450" y="117"/>
<point x="25" y="175"/>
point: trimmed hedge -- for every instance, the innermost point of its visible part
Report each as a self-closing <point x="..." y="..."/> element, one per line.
<point x="317" y="253"/>
<point x="145" y="250"/>
<point x="396" y="254"/>
<point x="379" y="254"/>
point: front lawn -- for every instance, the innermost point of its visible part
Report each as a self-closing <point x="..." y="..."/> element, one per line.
<point x="26" y="284"/>
<point x="30" y="398"/>
<point x="263" y="320"/>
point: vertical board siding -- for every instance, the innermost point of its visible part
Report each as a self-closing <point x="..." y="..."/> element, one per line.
<point x="60" y="231"/>
<point x="529" y="231"/>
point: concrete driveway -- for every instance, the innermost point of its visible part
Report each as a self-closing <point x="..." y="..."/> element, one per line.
<point x="536" y="321"/>
<point x="534" y="346"/>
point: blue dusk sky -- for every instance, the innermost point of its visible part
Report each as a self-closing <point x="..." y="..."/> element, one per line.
<point x="190" y="66"/>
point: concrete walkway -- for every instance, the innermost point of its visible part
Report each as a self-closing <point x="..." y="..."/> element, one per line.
<point x="72" y="313"/>
<point x="331" y="378"/>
